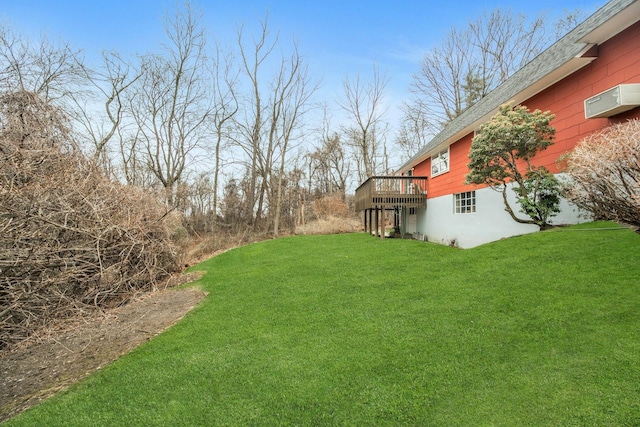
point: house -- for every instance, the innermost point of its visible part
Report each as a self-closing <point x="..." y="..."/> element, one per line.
<point x="589" y="79"/>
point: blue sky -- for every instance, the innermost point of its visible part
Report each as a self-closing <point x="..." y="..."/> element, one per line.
<point x="338" y="38"/>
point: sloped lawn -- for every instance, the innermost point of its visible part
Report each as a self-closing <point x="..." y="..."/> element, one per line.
<point x="348" y="330"/>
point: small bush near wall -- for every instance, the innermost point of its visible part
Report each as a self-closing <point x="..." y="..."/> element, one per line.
<point x="604" y="172"/>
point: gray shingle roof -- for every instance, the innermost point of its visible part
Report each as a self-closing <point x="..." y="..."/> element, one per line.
<point x="539" y="71"/>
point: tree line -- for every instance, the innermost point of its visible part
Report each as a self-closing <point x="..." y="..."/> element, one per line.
<point x="235" y="137"/>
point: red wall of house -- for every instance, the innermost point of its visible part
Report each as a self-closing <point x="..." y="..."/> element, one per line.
<point x="618" y="62"/>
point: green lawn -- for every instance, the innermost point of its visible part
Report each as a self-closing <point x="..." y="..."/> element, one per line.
<point x="348" y="330"/>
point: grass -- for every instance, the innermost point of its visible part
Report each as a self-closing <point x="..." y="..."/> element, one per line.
<point x="349" y="330"/>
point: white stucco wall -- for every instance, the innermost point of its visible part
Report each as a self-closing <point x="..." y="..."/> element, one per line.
<point x="411" y="223"/>
<point x="489" y="223"/>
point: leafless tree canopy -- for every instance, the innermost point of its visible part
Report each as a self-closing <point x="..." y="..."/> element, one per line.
<point x="170" y="103"/>
<point x="270" y="126"/>
<point x="471" y="62"/>
<point x="604" y="172"/>
<point x="468" y="64"/>
<point x="363" y="103"/>
<point x="47" y="69"/>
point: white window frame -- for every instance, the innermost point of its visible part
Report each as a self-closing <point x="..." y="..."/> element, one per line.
<point x="440" y="163"/>
<point x="465" y="202"/>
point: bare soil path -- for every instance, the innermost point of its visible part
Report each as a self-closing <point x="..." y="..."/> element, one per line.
<point x="52" y="362"/>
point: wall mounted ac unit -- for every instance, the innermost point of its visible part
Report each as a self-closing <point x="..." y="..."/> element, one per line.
<point x="613" y="101"/>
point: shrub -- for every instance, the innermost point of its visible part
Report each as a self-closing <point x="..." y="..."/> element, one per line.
<point x="604" y="173"/>
<point x="501" y="153"/>
<point x="331" y="206"/>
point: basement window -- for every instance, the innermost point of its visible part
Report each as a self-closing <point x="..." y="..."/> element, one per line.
<point x="440" y="163"/>
<point x="465" y="202"/>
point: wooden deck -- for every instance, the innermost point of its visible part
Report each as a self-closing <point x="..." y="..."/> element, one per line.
<point x="389" y="192"/>
<point x="379" y="194"/>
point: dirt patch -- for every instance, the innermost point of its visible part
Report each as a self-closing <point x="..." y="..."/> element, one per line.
<point x="56" y="359"/>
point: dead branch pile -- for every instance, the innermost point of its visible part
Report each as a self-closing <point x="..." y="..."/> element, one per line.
<point x="69" y="237"/>
<point x="604" y="169"/>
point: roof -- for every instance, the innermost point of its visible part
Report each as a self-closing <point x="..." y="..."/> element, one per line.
<point x="561" y="59"/>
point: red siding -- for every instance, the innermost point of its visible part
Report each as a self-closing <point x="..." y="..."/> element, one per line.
<point x="452" y="181"/>
<point x="618" y="62"/>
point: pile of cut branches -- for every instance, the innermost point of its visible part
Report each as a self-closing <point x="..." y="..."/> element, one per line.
<point x="69" y="236"/>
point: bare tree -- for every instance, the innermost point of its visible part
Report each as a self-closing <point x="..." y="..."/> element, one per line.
<point x="199" y="208"/>
<point x="110" y="84"/>
<point x="171" y="105"/>
<point x="471" y="62"/>
<point x="51" y="71"/>
<point x="251" y="125"/>
<point x="225" y="106"/>
<point x="438" y="86"/>
<point x="57" y="74"/>
<point x="415" y="130"/>
<point x="502" y="44"/>
<point x="269" y="122"/>
<point x="328" y="164"/>
<point x="133" y="165"/>
<point x="363" y="102"/>
<point x="291" y="94"/>
<point x="568" y="22"/>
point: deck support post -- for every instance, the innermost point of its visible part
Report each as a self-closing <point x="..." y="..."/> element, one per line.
<point x="396" y="218"/>
<point x="364" y="216"/>
<point x="377" y="222"/>
<point x="371" y="221"/>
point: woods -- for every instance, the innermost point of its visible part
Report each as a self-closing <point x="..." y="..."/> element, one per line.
<point x="193" y="119"/>
<point x="216" y="123"/>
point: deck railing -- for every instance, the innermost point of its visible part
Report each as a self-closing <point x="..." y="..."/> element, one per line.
<point x="387" y="192"/>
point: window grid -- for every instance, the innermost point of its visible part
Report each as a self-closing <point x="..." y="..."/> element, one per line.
<point x="440" y="163"/>
<point x="465" y="202"/>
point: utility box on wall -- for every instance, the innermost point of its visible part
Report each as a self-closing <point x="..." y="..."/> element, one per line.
<point x="613" y="101"/>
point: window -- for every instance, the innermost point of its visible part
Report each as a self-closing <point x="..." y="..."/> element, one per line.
<point x="465" y="202"/>
<point x="412" y="211"/>
<point x="440" y="163"/>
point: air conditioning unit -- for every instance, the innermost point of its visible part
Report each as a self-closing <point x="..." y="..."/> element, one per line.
<point x="613" y="101"/>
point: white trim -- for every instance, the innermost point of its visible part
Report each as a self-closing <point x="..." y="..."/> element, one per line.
<point x="464" y="208"/>
<point x="447" y="162"/>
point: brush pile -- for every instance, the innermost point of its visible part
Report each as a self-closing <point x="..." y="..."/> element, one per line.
<point x="69" y="236"/>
